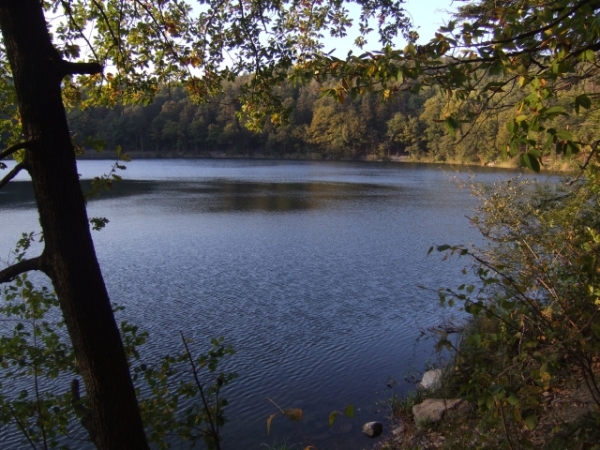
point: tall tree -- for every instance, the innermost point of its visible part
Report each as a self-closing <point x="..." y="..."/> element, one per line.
<point x="146" y="44"/>
<point x="68" y="257"/>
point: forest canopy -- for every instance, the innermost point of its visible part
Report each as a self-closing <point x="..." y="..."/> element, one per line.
<point x="511" y="80"/>
<point x="407" y="126"/>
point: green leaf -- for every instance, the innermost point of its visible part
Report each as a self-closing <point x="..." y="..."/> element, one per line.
<point x="531" y="421"/>
<point x="549" y="140"/>
<point x="510" y="126"/>
<point x="564" y="135"/>
<point x="583" y="101"/>
<point x="349" y="411"/>
<point x="555" y="110"/>
<point x="451" y="125"/>
<point x="512" y="399"/>
<point x="332" y="417"/>
<point x="496" y="69"/>
<point x="530" y="161"/>
<point x="410" y="49"/>
<point x="590" y="56"/>
<point x="572" y="147"/>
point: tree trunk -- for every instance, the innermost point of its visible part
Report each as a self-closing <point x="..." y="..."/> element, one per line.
<point x="69" y="258"/>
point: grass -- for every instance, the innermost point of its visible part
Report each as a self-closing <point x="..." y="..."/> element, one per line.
<point x="283" y="446"/>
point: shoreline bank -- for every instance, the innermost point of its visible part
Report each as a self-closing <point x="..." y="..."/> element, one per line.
<point x="549" y="167"/>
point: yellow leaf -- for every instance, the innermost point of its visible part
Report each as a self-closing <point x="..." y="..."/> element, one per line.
<point x="294" y="414"/>
<point x="269" y="420"/>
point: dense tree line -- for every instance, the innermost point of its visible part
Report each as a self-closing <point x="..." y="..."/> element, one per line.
<point x="173" y="124"/>
<point x="406" y="125"/>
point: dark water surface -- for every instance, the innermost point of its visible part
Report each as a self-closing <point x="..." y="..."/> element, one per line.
<point x="310" y="269"/>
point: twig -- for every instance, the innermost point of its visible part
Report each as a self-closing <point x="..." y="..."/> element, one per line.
<point x="278" y="407"/>
<point x="585" y="164"/>
<point x="22" y="427"/>
<point x="67" y="8"/>
<point x="37" y="391"/>
<point x="215" y="435"/>
<point x="590" y="380"/>
<point x="537" y="30"/>
<point x="499" y="405"/>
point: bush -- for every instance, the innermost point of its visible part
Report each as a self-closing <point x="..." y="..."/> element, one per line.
<point x="535" y="304"/>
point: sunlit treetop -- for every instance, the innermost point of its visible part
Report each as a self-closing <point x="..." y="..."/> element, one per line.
<point x="537" y="57"/>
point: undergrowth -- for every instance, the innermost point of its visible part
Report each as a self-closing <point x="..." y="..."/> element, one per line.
<point x="532" y="334"/>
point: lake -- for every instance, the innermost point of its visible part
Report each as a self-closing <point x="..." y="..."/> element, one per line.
<point x="310" y="269"/>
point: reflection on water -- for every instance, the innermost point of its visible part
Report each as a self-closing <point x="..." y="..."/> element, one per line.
<point x="220" y="196"/>
<point x="269" y="197"/>
<point x="310" y="269"/>
<point x="17" y="194"/>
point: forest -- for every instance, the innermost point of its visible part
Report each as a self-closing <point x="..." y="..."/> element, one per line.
<point x="406" y="126"/>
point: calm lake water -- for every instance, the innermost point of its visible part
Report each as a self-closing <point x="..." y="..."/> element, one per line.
<point x="310" y="269"/>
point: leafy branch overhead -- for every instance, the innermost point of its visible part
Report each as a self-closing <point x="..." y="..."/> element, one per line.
<point x="491" y="51"/>
<point x="144" y="45"/>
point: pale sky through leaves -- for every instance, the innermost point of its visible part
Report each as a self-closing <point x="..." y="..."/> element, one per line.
<point x="427" y="16"/>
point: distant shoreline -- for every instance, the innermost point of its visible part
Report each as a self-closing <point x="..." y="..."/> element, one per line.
<point x="560" y="166"/>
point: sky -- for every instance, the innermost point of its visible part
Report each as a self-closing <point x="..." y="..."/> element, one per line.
<point x="427" y="16"/>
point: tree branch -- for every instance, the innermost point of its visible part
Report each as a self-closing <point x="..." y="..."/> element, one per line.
<point x="117" y="41"/>
<point x="585" y="164"/>
<point x="72" y="68"/>
<point x="10" y="175"/>
<point x="22" y="266"/>
<point x="67" y="8"/>
<point x="213" y="432"/>
<point x="10" y="150"/>
<point x="537" y="30"/>
<point x="21" y="426"/>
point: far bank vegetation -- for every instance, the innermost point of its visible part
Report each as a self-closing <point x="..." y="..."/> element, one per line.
<point x="407" y="127"/>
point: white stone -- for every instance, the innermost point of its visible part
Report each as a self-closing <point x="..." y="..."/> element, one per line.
<point x="398" y="430"/>
<point x="431" y="379"/>
<point x="372" y="429"/>
<point x="433" y="409"/>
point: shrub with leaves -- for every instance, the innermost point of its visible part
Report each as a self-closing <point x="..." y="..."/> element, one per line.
<point x="536" y="303"/>
<point x="39" y="388"/>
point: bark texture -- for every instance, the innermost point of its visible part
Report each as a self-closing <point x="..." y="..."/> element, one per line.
<point x="69" y="258"/>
